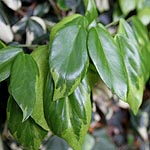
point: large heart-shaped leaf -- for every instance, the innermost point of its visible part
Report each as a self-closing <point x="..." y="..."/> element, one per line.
<point x="23" y="83"/>
<point x="107" y="59"/>
<point x="68" y="117"/>
<point x="27" y="133"/>
<point x="68" y="55"/>
<point x="133" y="64"/>
<point x="40" y="55"/>
<point x="7" y="56"/>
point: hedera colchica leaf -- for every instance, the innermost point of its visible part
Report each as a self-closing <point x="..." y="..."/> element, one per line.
<point x="68" y="55"/>
<point x="143" y="40"/>
<point x="27" y="133"/>
<point x="23" y="83"/>
<point x="106" y="57"/>
<point x="133" y="64"/>
<point x="125" y="29"/>
<point x="40" y="55"/>
<point x="7" y="56"/>
<point x="139" y="38"/>
<point x="91" y="11"/>
<point x="140" y="31"/>
<point x="68" y="117"/>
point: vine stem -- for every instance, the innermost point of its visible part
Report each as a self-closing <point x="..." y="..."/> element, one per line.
<point x="112" y="24"/>
<point x="30" y="46"/>
<point x="116" y="22"/>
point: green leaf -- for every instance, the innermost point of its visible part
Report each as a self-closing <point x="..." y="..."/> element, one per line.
<point x="67" y="4"/>
<point x="89" y="142"/>
<point x="127" y="6"/>
<point x="41" y="9"/>
<point x="35" y="28"/>
<point x="40" y="55"/>
<point x="142" y="38"/>
<point x="2" y="45"/>
<point x="103" y="141"/>
<point x="7" y="56"/>
<point x="23" y="83"/>
<point x="56" y="143"/>
<point x="92" y="76"/>
<point x="135" y="76"/>
<point x="140" y="31"/>
<point x="125" y="29"/>
<point x="145" y="55"/>
<point x="27" y="133"/>
<point x="69" y="117"/>
<point x="68" y="55"/>
<point x="144" y="14"/>
<point x="91" y="10"/>
<point x="141" y="4"/>
<point x="107" y="59"/>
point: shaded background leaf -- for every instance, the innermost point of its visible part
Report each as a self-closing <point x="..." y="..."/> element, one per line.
<point x="13" y="4"/>
<point x="27" y="133"/>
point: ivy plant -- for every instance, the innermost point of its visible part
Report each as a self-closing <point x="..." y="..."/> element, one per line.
<point x="50" y="89"/>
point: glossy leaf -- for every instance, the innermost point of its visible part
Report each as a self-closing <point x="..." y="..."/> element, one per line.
<point x="135" y="77"/>
<point x="91" y="10"/>
<point x="68" y="117"/>
<point x="142" y="38"/>
<point x="23" y="83"/>
<point x="106" y="57"/>
<point x="40" y="55"/>
<point x="68" y="55"/>
<point x="125" y="29"/>
<point x="27" y="133"/>
<point x="7" y="56"/>
<point x="136" y="36"/>
<point x="140" y="31"/>
<point x="127" y="6"/>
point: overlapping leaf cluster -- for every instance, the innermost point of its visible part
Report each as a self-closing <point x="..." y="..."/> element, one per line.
<point x="50" y="89"/>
